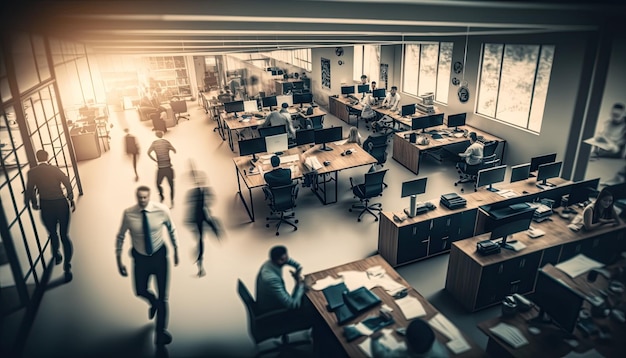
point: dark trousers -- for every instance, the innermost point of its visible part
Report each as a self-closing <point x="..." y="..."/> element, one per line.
<point x="167" y="173"/>
<point x="200" y="230"/>
<point x="55" y="212"/>
<point x="144" y="267"/>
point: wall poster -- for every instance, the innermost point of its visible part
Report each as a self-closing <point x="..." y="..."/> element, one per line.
<point x="325" y="73"/>
<point x="384" y="75"/>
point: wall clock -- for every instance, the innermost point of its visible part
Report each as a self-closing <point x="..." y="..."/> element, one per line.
<point x="340" y="62"/>
<point x="458" y="67"/>
<point x="455" y="81"/>
<point x="463" y="94"/>
<point x="339" y="51"/>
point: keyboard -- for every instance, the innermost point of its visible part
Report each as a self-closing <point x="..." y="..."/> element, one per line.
<point x="458" y="134"/>
<point x="509" y="334"/>
<point x="290" y="158"/>
<point x="436" y="136"/>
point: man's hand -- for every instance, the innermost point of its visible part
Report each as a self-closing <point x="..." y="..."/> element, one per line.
<point x="72" y="205"/>
<point x="122" y="269"/>
<point x="35" y="206"/>
<point x="297" y="275"/>
<point x="175" y="257"/>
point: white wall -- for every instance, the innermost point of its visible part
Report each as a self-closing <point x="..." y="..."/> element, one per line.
<point x="615" y="89"/>
<point x="339" y="75"/>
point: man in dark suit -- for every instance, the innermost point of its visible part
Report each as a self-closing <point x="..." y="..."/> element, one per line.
<point x="46" y="180"/>
<point x="278" y="176"/>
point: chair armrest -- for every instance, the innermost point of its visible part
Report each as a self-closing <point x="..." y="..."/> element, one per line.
<point x="351" y="183"/>
<point x="268" y="193"/>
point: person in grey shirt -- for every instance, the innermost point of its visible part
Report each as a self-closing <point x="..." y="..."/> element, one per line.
<point x="279" y="119"/>
<point x="271" y="293"/>
<point x="473" y="154"/>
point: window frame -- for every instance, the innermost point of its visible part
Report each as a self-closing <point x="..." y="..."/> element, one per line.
<point x="419" y="69"/>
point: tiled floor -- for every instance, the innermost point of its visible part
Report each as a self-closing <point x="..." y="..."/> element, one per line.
<point x="97" y="314"/>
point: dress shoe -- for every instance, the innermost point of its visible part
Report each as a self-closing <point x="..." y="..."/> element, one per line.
<point x="58" y="258"/>
<point x="163" y="338"/>
<point x="152" y="311"/>
<point x="68" y="276"/>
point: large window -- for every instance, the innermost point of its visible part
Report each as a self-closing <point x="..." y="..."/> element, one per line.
<point x="427" y="69"/>
<point x="514" y="83"/>
<point x="366" y="62"/>
<point x="300" y="58"/>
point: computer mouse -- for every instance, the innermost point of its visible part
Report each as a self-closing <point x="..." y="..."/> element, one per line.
<point x="326" y="163"/>
<point x="534" y="330"/>
<point x="524" y="192"/>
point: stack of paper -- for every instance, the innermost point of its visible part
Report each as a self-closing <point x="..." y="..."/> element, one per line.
<point x="356" y="279"/>
<point x="411" y="307"/>
<point x="578" y="265"/>
<point x="457" y="343"/>
<point x="326" y="282"/>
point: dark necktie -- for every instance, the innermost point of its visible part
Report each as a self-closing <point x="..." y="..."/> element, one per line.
<point x="146" y="232"/>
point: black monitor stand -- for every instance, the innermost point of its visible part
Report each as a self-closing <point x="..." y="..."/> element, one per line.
<point x="456" y="129"/>
<point x="235" y="114"/>
<point x="492" y="189"/>
<point x="505" y="245"/>
<point x="325" y="148"/>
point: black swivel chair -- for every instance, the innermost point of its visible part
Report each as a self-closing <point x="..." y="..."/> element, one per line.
<point x="354" y="112"/>
<point x="372" y="187"/>
<point x="157" y="123"/>
<point x="378" y="151"/>
<point x="470" y="174"/>
<point x="179" y="108"/>
<point x="318" y="122"/>
<point x="282" y="199"/>
<point x="270" y="325"/>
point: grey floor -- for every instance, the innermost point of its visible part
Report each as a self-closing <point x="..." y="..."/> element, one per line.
<point x="97" y="313"/>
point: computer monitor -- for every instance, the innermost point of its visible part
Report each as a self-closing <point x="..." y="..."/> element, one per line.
<point x="277" y="143"/>
<point x="456" y="120"/>
<point x="491" y="176"/>
<point x="435" y="120"/>
<point x="511" y="224"/>
<point x="297" y="85"/>
<point x="273" y="130"/>
<point x="558" y="303"/>
<point x="520" y="172"/>
<point x="252" y="146"/>
<point x="419" y="123"/>
<point x="379" y="93"/>
<point x="407" y="110"/>
<point x="300" y="98"/>
<point x="285" y="98"/>
<point x="326" y="135"/>
<point x="305" y="136"/>
<point x="233" y="107"/>
<point x="580" y="192"/>
<point x="269" y="102"/>
<point x="413" y="188"/>
<point x="535" y="162"/>
<point x="346" y="90"/>
<point x="363" y="89"/>
<point x="547" y="171"/>
<point x="250" y="106"/>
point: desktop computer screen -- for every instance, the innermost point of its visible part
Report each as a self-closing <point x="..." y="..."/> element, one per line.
<point x="305" y="136"/>
<point x="300" y="98"/>
<point x="363" y="88"/>
<point x="419" y="123"/>
<point x="347" y="90"/>
<point x="491" y="176"/>
<point x="456" y="120"/>
<point x="435" y="120"/>
<point x="269" y="101"/>
<point x="535" y="162"/>
<point x="511" y="224"/>
<point x="379" y="93"/>
<point x="252" y="146"/>
<point x="273" y="130"/>
<point x="276" y="143"/>
<point x="326" y="135"/>
<point x="558" y="303"/>
<point x="407" y="110"/>
<point x="297" y="85"/>
<point x="413" y="187"/>
<point x="233" y="107"/>
<point x="286" y="98"/>
<point x="581" y="192"/>
<point x="548" y="171"/>
<point x="250" y="106"/>
<point x="520" y="172"/>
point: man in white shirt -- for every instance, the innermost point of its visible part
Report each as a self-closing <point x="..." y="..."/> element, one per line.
<point x="473" y="154"/>
<point x="392" y="100"/>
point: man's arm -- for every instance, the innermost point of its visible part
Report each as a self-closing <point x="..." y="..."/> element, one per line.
<point x="119" y="243"/>
<point x="277" y="288"/>
<point x="150" y="150"/>
<point x="68" y="189"/>
<point x="172" y="147"/>
<point x="29" y="193"/>
<point x="171" y="229"/>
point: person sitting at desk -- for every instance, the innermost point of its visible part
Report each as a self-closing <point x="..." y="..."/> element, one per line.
<point x="277" y="119"/>
<point x="363" y="80"/>
<point x="354" y="136"/>
<point x="368" y="114"/>
<point x="392" y="100"/>
<point x="473" y="154"/>
<point x="372" y="86"/>
<point x="278" y="176"/>
<point x="284" y="110"/>
<point x="601" y="212"/>
<point x="612" y="135"/>
<point x="420" y="342"/>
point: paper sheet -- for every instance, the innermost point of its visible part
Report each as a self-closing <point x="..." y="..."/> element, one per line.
<point x="356" y="279"/>
<point x="592" y="353"/>
<point x="392" y="287"/>
<point x="411" y="307"/>
<point x="366" y="347"/>
<point x="457" y="343"/>
<point x="326" y="282"/>
<point x="578" y="265"/>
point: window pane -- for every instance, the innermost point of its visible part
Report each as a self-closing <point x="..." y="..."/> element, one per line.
<point x="541" y="88"/>
<point x="489" y="78"/>
<point x="443" y="72"/>
<point x="411" y="67"/>
<point x="428" y="68"/>
<point x="25" y="69"/>
<point x="357" y="69"/>
<point x="40" y="57"/>
<point x="516" y="83"/>
<point x="371" y="62"/>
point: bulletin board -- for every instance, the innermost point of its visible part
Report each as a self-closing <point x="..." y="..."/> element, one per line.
<point x="325" y="73"/>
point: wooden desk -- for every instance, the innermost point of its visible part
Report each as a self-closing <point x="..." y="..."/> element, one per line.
<point x="405" y="122"/>
<point x="433" y="233"/>
<point x="549" y="342"/>
<point x="337" y="106"/>
<point x="478" y="281"/>
<point x="232" y="123"/>
<point x="352" y="349"/>
<point x="321" y="186"/>
<point x="409" y="154"/>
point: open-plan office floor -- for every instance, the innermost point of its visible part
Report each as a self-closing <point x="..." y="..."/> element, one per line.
<point x="97" y="314"/>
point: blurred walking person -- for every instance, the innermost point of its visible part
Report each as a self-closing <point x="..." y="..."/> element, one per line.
<point x="132" y="149"/>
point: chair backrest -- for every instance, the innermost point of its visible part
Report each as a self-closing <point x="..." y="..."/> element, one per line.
<point x="273" y="130"/>
<point x="250" y="304"/>
<point x="376" y="140"/>
<point x="317" y="122"/>
<point x="374" y="183"/>
<point x="489" y="148"/>
<point x="379" y="152"/>
<point x="353" y="111"/>
<point x="283" y="197"/>
<point x="179" y="106"/>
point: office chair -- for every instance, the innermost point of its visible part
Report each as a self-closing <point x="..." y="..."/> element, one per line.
<point x="378" y="151"/>
<point x="471" y="171"/>
<point x="318" y="122"/>
<point x="270" y="325"/>
<point x="157" y="123"/>
<point x="354" y="112"/>
<point x="179" y="108"/>
<point x="273" y="130"/>
<point x="282" y="199"/>
<point x="372" y="187"/>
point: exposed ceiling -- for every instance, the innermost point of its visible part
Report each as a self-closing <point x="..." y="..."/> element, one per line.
<point x="210" y="27"/>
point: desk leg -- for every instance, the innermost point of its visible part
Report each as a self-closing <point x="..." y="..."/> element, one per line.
<point x="317" y="187"/>
<point x="250" y="210"/>
<point x="230" y="140"/>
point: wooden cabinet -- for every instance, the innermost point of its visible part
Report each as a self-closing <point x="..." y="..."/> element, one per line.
<point x="412" y="242"/>
<point x="337" y="108"/>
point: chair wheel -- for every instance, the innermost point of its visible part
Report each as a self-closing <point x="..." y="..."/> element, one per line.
<point x="267" y="218"/>
<point x="359" y="219"/>
<point x="277" y="233"/>
<point x="350" y="210"/>
<point x="475" y="189"/>
<point x="462" y="190"/>
<point x="295" y="229"/>
<point x="455" y="184"/>
<point x="267" y="225"/>
<point x="376" y="219"/>
<point x="296" y="221"/>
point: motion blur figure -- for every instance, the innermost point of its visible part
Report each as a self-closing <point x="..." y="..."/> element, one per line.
<point x="199" y="200"/>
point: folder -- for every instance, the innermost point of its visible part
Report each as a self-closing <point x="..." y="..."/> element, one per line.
<point x="334" y="295"/>
<point x="360" y="300"/>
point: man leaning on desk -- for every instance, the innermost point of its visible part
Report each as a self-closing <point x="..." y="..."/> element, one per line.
<point x="278" y="119"/>
<point x="278" y="176"/>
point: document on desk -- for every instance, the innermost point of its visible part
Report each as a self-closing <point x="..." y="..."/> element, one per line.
<point x="457" y="343"/>
<point x="511" y="335"/>
<point x="411" y="307"/>
<point x="341" y="142"/>
<point x="356" y="279"/>
<point x="392" y="287"/>
<point x="326" y="282"/>
<point x="312" y="163"/>
<point x="578" y="265"/>
<point x="507" y="193"/>
<point x="289" y="158"/>
<point x="387" y="340"/>
<point x="592" y="353"/>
